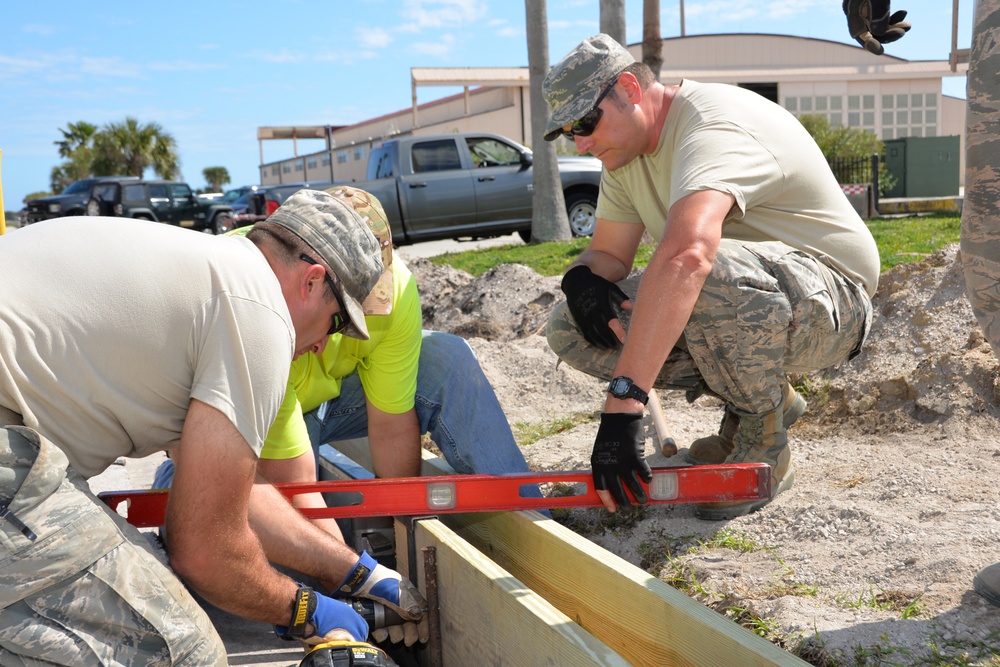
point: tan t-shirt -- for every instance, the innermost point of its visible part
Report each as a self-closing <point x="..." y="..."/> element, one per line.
<point x="721" y="137"/>
<point x="109" y="327"/>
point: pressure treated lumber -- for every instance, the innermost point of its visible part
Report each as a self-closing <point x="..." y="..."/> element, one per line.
<point x="488" y="617"/>
<point x="640" y="617"/>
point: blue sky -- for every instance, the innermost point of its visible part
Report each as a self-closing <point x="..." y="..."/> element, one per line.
<point x="211" y="72"/>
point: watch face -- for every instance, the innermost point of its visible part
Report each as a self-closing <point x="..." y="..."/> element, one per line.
<point x="618" y="386"/>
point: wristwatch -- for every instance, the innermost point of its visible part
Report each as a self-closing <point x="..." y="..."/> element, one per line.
<point x="623" y="387"/>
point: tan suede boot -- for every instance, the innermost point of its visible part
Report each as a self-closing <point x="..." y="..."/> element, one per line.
<point x="760" y="439"/>
<point x="714" y="449"/>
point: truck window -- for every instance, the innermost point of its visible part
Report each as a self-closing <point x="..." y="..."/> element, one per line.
<point x="487" y="152"/>
<point x="438" y="155"/>
<point x="134" y="192"/>
<point x="180" y="190"/>
<point x="158" y="191"/>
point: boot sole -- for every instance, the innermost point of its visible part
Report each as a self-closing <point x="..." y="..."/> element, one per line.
<point x="716" y="513"/>
<point x="795" y="410"/>
<point x="986" y="591"/>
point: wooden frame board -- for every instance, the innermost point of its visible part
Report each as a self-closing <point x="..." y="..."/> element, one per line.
<point x="638" y="616"/>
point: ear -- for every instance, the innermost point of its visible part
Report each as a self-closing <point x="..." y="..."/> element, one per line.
<point x="629" y="85"/>
<point x="311" y="280"/>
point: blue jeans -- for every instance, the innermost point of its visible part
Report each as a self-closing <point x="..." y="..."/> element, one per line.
<point x="454" y="403"/>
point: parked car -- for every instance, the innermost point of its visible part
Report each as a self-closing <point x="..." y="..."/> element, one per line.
<point x="265" y="200"/>
<point x="471" y="184"/>
<point x="171" y="202"/>
<point x="71" y="201"/>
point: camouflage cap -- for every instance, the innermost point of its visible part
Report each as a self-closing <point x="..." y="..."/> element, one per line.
<point x="379" y="301"/>
<point x="342" y="239"/>
<point x="573" y="84"/>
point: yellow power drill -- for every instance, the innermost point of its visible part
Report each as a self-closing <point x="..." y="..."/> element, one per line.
<point x="345" y="654"/>
<point x="355" y="654"/>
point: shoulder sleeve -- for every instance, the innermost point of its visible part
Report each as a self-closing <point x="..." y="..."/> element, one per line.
<point x="614" y="202"/>
<point x="390" y="376"/>
<point x="725" y="157"/>
<point x="241" y="350"/>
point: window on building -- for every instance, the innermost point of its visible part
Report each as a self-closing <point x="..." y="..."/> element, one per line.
<point x="341" y="157"/>
<point x="765" y="90"/>
<point x="286" y="168"/>
<point x="326" y="159"/>
<point x="299" y="165"/>
<point x="311" y="163"/>
<point x="359" y="153"/>
<point x="275" y="170"/>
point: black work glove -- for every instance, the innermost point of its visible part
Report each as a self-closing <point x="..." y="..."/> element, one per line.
<point x="618" y="455"/>
<point x="592" y="301"/>
<point x="871" y="25"/>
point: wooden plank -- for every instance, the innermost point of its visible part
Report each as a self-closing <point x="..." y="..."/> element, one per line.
<point x="488" y="617"/>
<point x="642" y="618"/>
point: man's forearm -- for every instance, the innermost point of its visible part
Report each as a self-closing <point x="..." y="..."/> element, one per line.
<point x="290" y="540"/>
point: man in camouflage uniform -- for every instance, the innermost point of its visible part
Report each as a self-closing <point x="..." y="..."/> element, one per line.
<point x="981" y="211"/>
<point x="762" y="267"/>
<point x="123" y="338"/>
<point x="870" y="22"/>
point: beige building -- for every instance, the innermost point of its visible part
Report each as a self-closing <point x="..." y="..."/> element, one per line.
<point x="890" y="97"/>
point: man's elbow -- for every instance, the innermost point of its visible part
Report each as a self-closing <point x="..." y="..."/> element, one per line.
<point x="196" y="566"/>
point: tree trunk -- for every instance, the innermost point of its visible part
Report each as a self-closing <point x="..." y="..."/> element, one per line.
<point x="549" y="221"/>
<point x="613" y="19"/>
<point x="652" y="42"/>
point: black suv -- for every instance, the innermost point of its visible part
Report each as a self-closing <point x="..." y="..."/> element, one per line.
<point x="171" y="202"/>
<point x="72" y="201"/>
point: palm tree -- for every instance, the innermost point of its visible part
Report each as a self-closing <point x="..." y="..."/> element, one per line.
<point x="652" y="42"/>
<point x="612" y="19"/>
<point x="131" y="146"/>
<point x="216" y="177"/>
<point x="549" y="221"/>
<point x="77" y="146"/>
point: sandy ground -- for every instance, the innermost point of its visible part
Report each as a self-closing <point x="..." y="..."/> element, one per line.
<point x="869" y="559"/>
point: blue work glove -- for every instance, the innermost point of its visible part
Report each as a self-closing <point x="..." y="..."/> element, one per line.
<point x="376" y="582"/>
<point x="325" y="615"/>
<point x="592" y="301"/>
<point x="618" y="455"/>
<point x="870" y="23"/>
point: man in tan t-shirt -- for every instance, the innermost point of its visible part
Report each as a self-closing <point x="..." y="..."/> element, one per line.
<point x="120" y="337"/>
<point x="762" y="267"/>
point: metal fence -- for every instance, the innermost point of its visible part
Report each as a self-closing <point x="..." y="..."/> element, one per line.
<point x="849" y="170"/>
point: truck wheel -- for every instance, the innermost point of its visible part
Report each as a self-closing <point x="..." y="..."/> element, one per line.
<point x="581" y="207"/>
<point x="525" y="234"/>
<point x="222" y="223"/>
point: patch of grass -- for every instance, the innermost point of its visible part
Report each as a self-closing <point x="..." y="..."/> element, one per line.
<point x="908" y="606"/>
<point x="526" y="433"/>
<point x="597" y="521"/>
<point x="728" y="539"/>
<point x="913" y="238"/>
<point x="547" y="259"/>
<point x="899" y="240"/>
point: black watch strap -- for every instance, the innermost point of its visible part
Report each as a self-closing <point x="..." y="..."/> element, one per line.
<point x="299" y="626"/>
<point x="624" y="387"/>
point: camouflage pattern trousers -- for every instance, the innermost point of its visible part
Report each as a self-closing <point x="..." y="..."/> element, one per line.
<point x="981" y="212"/>
<point x="88" y="589"/>
<point x="765" y="310"/>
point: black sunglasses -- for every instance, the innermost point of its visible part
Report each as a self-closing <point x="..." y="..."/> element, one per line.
<point x="340" y="318"/>
<point x="586" y="125"/>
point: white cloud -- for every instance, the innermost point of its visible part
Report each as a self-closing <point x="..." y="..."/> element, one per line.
<point x="421" y="14"/>
<point x="182" y="66"/>
<point x="375" y="38"/>
<point x="110" y="67"/>
<point x="439" y="49"/>
<point x="279" y="57"/>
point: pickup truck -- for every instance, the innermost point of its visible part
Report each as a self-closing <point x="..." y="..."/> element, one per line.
<point x="472" y="184"/>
